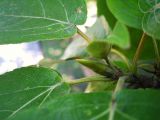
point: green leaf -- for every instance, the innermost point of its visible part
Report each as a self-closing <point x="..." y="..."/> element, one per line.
<point x="99" y="49"/>
<point x="141" y="14"/>
<point x="120" y="36"/>
<point x="26" y="87"/>
<point x="30" y="20"/>
<point x="71" y="107"/>
<point x="138" y="105"/>
<point x="127" y="11"/>
<point x="151" y="19"/>
<point x="130" y="105"/>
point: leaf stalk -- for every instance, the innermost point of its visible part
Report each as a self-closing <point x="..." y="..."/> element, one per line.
<point x="83" y="35"/>
<point x="139" y="49"/>
<point x="113" y="103"/>
<point x="156" y="52"/>
<point x="98" y="78"/>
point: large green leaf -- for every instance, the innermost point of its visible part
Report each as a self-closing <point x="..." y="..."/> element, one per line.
<point x="29" y="20"/>
<point x="141" y="14"/>
<point x="129" y="105"/>
<point x="138" y="105"/>
<point x="151" y="19"/>
<point x="26" y="87"/>
<point x="126" y="11"/>
<point x="71" y="107"/>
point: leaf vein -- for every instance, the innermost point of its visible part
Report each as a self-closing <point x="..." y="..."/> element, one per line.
<point x="43" y="9"/>
<point x="35" y="17"/>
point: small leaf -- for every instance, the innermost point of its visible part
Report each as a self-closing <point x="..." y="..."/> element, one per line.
<point x="127" y="12"/>
<point x="130" y="105"/>
<point x="30" y="20"/>
<point x="119" y="36"/>
<point x="26" y="87"/>
<point x="97" y="66"/>
<point x="99" y="49"/>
